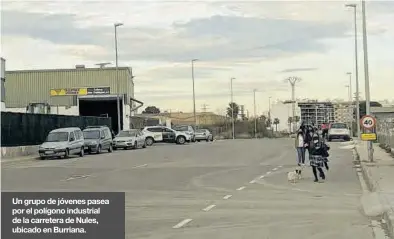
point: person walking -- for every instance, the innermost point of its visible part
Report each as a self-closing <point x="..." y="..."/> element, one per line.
<point x="300" y="147"/>
<point x="318" y="155"/>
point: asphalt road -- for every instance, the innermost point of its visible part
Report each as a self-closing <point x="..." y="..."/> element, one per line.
<point x="224" y="189"/>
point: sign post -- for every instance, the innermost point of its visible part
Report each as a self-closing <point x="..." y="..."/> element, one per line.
<point x="368" y="122"/>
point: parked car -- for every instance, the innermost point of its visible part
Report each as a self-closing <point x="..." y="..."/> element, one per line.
<point x="62" y="142"/>
<point x="154" y="134"/>
<point x="130" y="138"/>
<point x="339" y="131"/>
<point x="188" y="129"/>
<point x="97" y="138"/>
<point x="203" y="134"/>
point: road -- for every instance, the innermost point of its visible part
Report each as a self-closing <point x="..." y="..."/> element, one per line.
<point x="224" y="189"/>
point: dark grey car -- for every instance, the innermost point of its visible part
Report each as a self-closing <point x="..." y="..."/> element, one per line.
<point x="98" y="139"/>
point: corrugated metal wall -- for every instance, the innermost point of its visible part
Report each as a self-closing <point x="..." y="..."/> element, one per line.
<point x="24" y="87"/>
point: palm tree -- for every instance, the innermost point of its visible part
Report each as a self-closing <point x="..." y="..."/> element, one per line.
<point x="276" y="122"/>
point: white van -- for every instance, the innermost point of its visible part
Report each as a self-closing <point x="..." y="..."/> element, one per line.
<point x="63" y="142"/>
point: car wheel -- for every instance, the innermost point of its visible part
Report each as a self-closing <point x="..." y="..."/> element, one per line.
<point x="67" y="154"/>
<point x="198" y="140"/>
<point x="98" y="151"/>
<point x="329" y="139"/>
<point x="207" y="139"/>
<point x="149" y="141"/>
<point x="42" y="158"/>
<point x="181" y="140"/>
<point x="110" y="149"/>
<point x="82" y="153"/>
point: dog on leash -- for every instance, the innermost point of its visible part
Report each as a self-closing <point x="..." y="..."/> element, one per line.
<point x="295" y="175"/>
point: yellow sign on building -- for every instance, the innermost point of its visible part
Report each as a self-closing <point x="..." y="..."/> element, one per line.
<point x="368" y="137"/>
<point x="81" y="91"/>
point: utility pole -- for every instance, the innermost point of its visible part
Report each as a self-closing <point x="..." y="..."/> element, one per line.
<point x="293" y="80"/>
<point x="354" y="6"/>
<point x="194" y="95"/>
<point x="254" y="113"/>
<point x="232" y="108"/>
<point x="204" y="108"/>
<point x="117" y="75"/>
<point x="366" y="75"/>
<point x="351" y="108"/>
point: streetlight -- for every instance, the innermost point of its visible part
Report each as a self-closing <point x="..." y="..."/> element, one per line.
<point x="354" y="6"/>
<point x="351" y="109"/>
<point x="254" y="112"/>
<point x="232" y="107"/>
<point x="293" y="80"/>
<point x="366" y="75"/>
<point x="349" y="95"/>
<point x="194" y="94"/>
<point x="117" y="75"/>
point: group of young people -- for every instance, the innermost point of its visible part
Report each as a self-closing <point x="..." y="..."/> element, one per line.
<point x="310" y="139"/>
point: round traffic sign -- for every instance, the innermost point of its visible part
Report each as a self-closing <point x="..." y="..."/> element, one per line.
<point x="368" y="121"/>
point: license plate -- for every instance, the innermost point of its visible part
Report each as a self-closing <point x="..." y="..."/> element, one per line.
<point x="49" y="152"/>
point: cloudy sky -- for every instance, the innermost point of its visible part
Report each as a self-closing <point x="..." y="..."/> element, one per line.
<point x="260" y="43"/>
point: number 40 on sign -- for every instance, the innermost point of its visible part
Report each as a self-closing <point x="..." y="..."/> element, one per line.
<point x="368" y="122"/>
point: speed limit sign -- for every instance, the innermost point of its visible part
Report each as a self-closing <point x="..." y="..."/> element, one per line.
<point x="368" y="122"/>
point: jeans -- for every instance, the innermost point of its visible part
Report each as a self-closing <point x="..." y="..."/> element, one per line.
<point x="300" y="155"/>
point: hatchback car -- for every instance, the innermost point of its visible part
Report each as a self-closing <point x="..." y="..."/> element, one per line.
<point x="187" y="129"/>
<point x="131" y="138"/>
<point x="97" y="139"/>
<point x="62" y="142"/>
<point x="203" y="134"/>
<point x="339" y="131"/>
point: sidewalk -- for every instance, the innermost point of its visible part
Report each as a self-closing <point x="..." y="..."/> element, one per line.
<point x="379" y="176"/>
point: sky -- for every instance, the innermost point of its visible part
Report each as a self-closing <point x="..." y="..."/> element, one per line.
<point x="259" y="43"/>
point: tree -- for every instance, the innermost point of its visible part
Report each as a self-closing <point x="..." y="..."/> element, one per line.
<point x="151" y="110"/>
<point x="297" y="118"/>
<point x="276" y="122"/>
<point x="233" y="110"/>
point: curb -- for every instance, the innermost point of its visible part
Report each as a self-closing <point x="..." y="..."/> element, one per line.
<point x="372" y="188"/>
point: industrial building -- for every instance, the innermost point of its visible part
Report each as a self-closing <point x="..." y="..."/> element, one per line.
<point x="317" y="113"/>
<point x="344" y="112"/>
<point x="79" y="91"/>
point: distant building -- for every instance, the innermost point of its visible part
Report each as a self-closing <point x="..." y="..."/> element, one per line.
<point x="2" y="72"/>
<point x="317" y="113"/>
<point x="343" y="112"/>
<point x="283" y="112"/>
<point x="203" y="118"/>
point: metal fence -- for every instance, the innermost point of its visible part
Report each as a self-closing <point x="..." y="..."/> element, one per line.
<point x="21" y="129"/>
<point x="385" y="133"/>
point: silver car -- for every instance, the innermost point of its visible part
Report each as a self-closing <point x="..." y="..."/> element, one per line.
<point x="97" y="139"/>
<point x="62" y="142"/>
<point x="203" y="134"/>
<point x="131" y="138"/>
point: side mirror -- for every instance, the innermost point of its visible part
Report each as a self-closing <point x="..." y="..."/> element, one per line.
<point x="72" y="139"/>
<point x="102" y="136"/>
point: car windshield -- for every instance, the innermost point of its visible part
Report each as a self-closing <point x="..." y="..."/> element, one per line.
<point x="181" y="128"/>
<point x="127" y="133"/>
<point x="57" y="137"/>
<point x="339" y="126"/>
<point x="91" y="134"/>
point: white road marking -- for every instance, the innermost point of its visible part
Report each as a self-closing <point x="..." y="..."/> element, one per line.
<point x="275" y="169"/>
<point x="227" y="197"/>
<point x="141" y="166"/>
<point x="209" y="207"/>
<point x="77" y="177"/>
<point x="241" y="188"/>
<point x="182" y="223"/>
<point x="261" y="177"/>
<point x="252" y="181"/>
<point x="280" y="166"/>
<point x="268" y="172"/>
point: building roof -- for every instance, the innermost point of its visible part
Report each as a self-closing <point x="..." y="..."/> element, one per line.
<point x="69" y="70"/>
